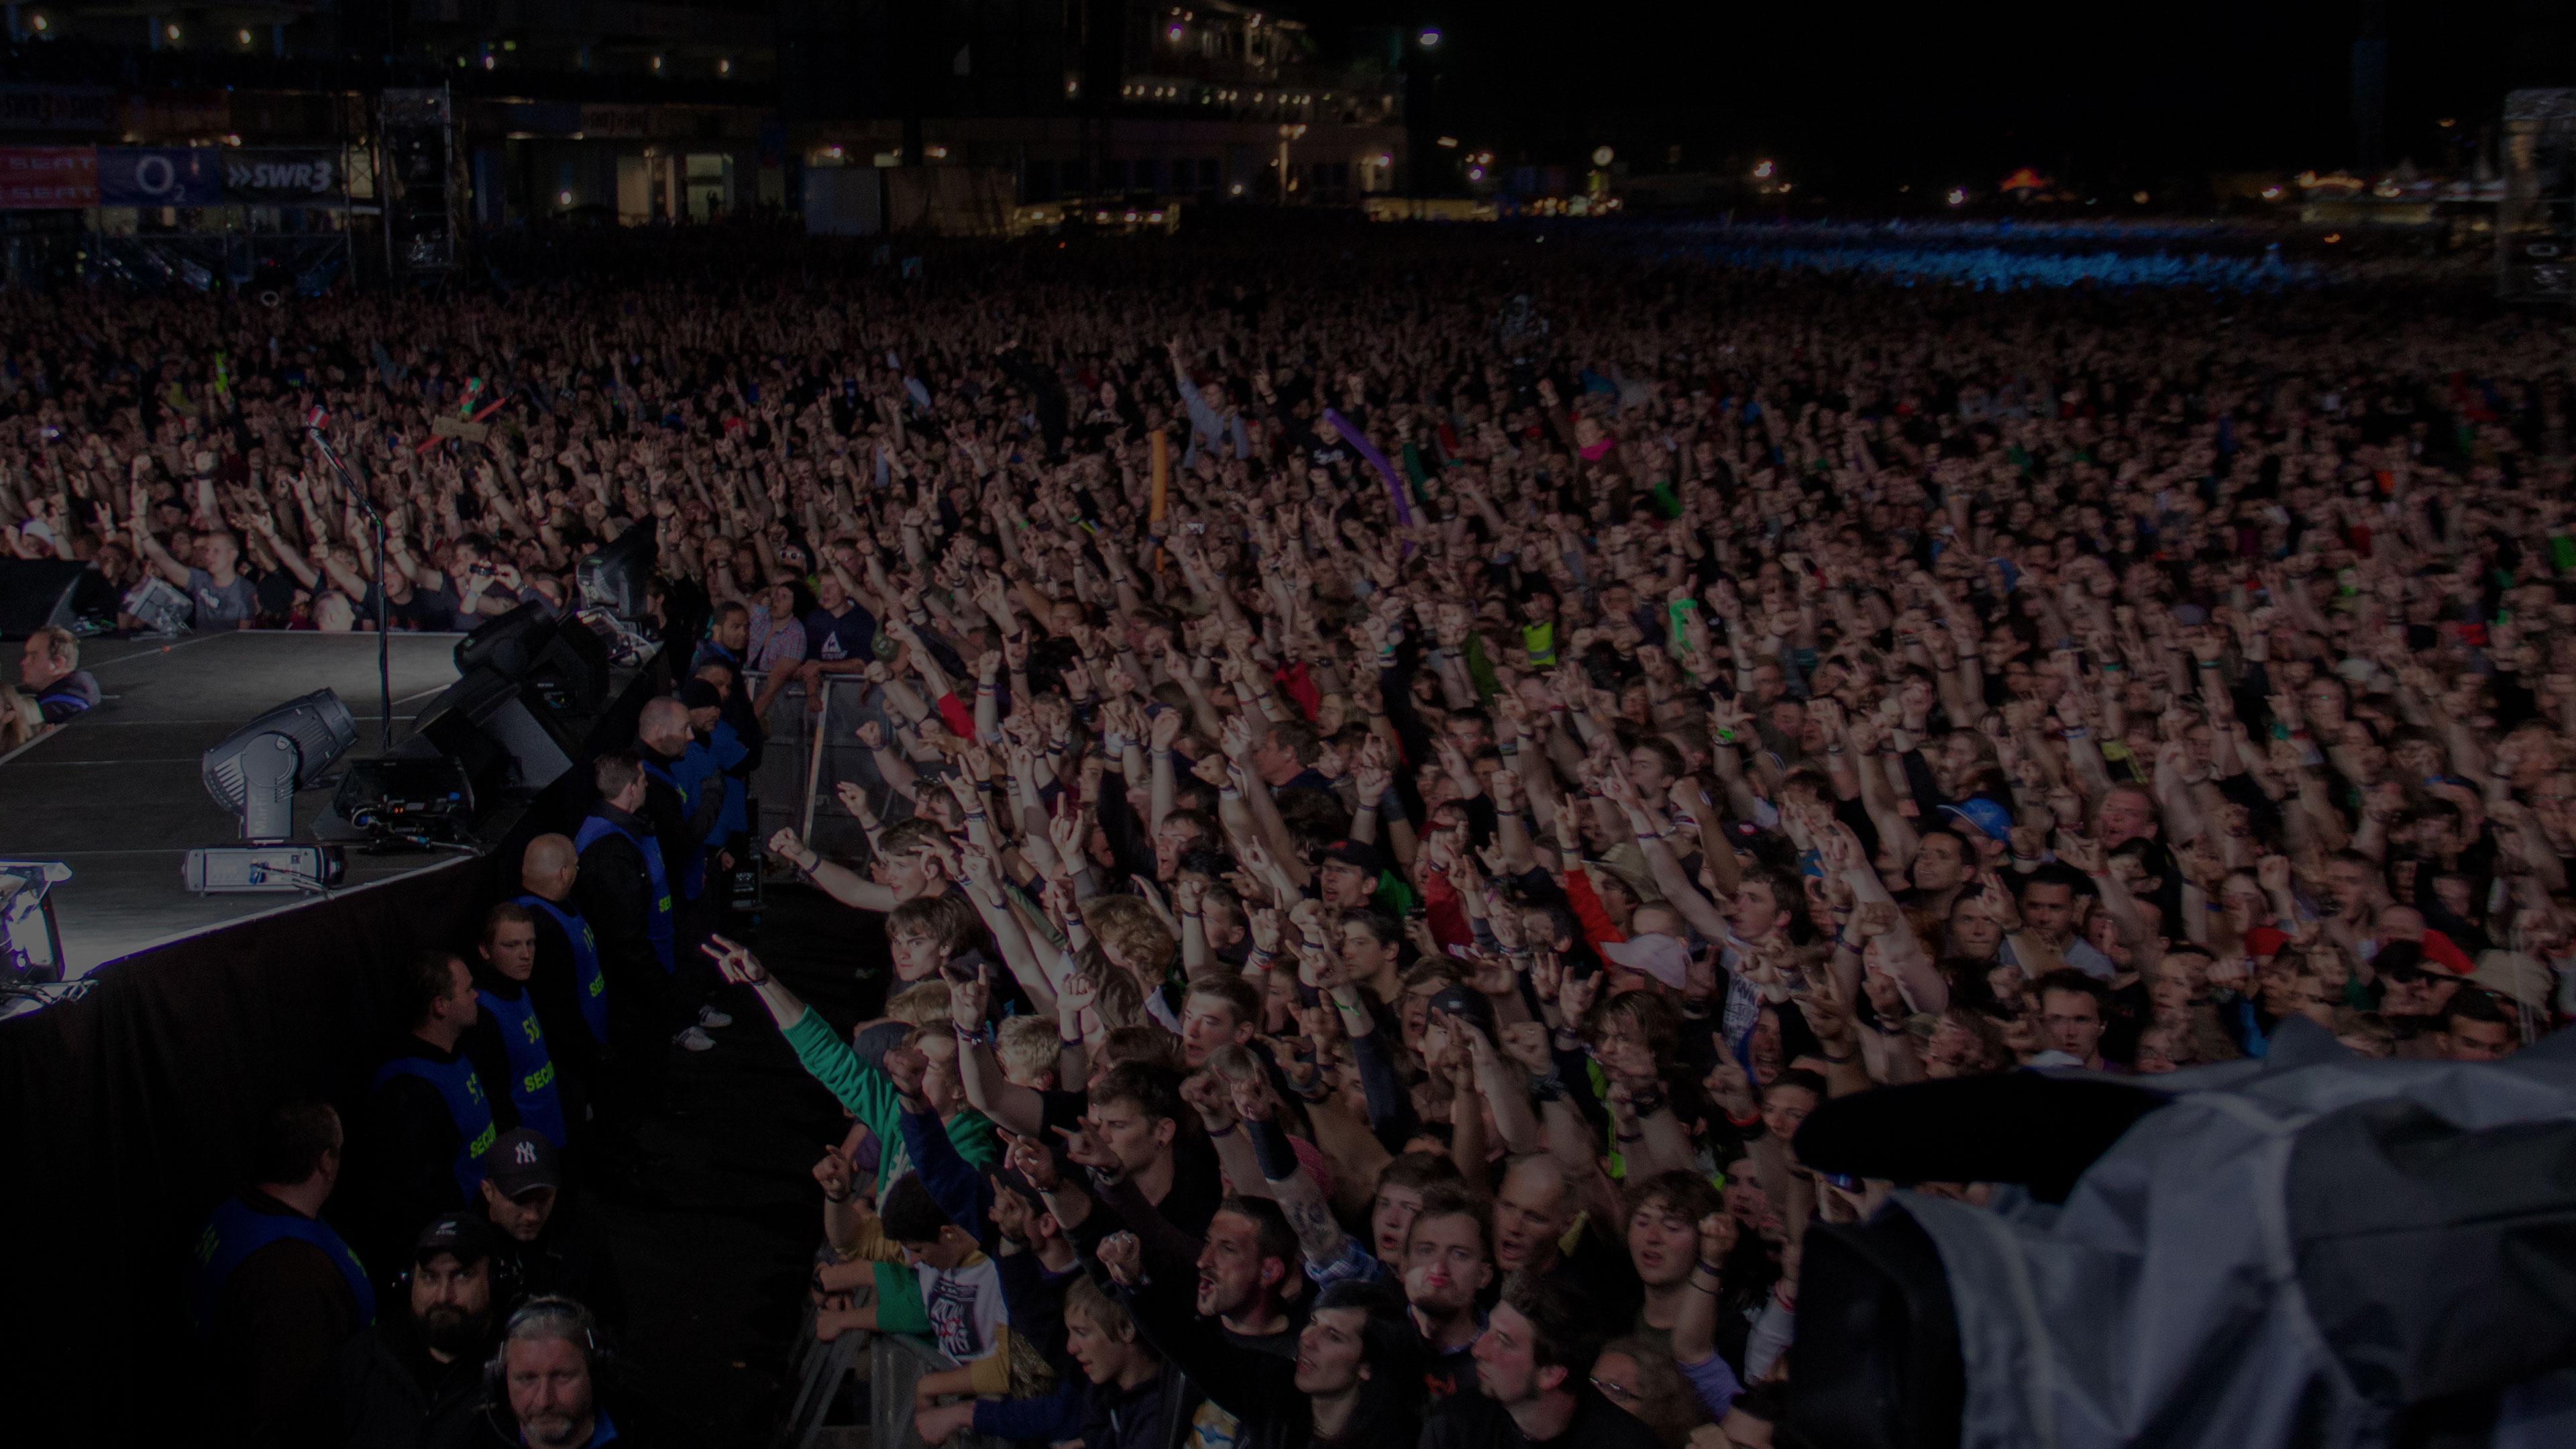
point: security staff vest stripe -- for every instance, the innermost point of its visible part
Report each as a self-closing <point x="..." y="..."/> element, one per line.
<point x="532" y="1067"/>
<point x="467" y="1107"/>
<point x="657" y="926"/>
<point x="236" y="1230"/>
<point x="589" y="987"/>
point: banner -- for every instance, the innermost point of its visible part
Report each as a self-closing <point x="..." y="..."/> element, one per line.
<point x="48" y="178"/>
<point x="56" y="108"/>
<point x="160" y="176"/>
<point x="285" y="176"/>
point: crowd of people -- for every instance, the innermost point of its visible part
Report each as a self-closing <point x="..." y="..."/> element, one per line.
<point x="1397" y="780"/>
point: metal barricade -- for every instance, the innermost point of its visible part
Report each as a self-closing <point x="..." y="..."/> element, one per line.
<point x="796" y="788"/>
<point x="896" y="1364"/>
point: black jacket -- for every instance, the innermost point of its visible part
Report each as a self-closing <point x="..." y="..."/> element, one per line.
<point x="615" y="894"/>
<point x="384" y="1391"/>
<point x="405" y="1153"/>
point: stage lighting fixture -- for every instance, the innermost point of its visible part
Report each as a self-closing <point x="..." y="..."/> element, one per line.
<point x="255" y="773"/>
<point x="31" y="944"/>
<point x="612" y="581"/>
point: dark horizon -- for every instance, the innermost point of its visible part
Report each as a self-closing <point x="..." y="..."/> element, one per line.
<point x="1863" y="104"/>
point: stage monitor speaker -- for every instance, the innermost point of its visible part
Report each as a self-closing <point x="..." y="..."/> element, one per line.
<point x="567" y="663"/>
<point x="503" y="732"/>
<point x="38" y="593"/>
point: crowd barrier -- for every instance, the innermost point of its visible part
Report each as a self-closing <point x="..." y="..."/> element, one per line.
<point x="893" y="1363"/>
<point x="797" y="789"/>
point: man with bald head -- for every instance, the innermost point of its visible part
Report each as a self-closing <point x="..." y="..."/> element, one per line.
<point x="1541" y="1228"/>
<point x="570" y="990"/>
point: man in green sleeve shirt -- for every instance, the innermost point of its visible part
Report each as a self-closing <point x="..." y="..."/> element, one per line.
<point x="856" y="1081"/>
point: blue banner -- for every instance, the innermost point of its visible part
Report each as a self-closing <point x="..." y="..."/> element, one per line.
<point x="160" y="176"/>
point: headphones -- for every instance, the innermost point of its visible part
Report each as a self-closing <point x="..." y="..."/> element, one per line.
<point x="577" y="1326"/>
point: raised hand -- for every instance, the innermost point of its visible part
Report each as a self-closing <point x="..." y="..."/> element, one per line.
<point x="736" y="961"/>
<point x="1030" y="1158"/>
<point x="1211" y="1097"/>
<point x="1122" y="1256"/>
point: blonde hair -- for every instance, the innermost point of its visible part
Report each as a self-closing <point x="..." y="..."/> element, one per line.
<point x="1027" y="1046"/>
<point x="925" y="1004"/>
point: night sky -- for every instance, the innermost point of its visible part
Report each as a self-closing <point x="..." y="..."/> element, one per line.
<point x="1861" y="97"/>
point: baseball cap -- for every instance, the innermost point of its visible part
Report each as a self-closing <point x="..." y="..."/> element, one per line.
<point x="1357" y="854"/>
<point x="1986" y="817"/>
<point x="698" y="694"/>
<point x="873" y="1043"/>
<point x="1467" y="1005"/>
<point x="469" y="1238"/>
<point x="521" y="1162"/>
<point x="1654" y="954"/>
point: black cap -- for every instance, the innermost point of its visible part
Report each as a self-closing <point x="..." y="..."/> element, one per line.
<point x="521" y="1162"/>
<point x="1357" y="854"/>
<point x="1467" y="1005"/>
<point x="698" y="694"/>
<point x="469" y="1238"/>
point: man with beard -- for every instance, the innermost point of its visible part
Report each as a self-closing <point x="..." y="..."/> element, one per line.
<point x="414" y="1380"/>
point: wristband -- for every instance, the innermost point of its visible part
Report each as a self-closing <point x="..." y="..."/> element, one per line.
<point x="2209" y="664"/>
<point x="1226" y="1131"/>
<point x="1726" y="737"/>
<point x="2074" y="732"/>
<point x="1278" y="1158"/>
<point x="1742" y="1123"/>
<point x="833" y="1197"/>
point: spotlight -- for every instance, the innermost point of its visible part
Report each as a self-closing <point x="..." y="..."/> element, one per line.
<point x="254" y="774"/>
<point x="725" y="66"/>
<point x="242" y="36"/>
<point x="1958" y="196"/>
<point x="40" y="23"/>
<point x="563" y="198"/>
<point x="1602" y="155"/>
<point x="1429" y="39"/>
<point x="2139" y="197"/>
<point x="170" y="32"/>
<point x="1762" y="170"/>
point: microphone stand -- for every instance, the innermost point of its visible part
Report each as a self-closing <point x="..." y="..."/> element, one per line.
<point x="384" y="640"/>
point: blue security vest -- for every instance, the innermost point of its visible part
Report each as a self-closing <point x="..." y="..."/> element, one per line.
<point x="728" y="750"/>
<point x="657" y="924"/>
<point x="589" y="987"/>
<point x="532" y="1069"/>
<point x="688" y="777"/>
<point x="236" y="1230"/>
<point x="467" y="1107"/>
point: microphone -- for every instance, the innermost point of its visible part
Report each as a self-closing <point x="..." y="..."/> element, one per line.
<point x="317" y="420"/>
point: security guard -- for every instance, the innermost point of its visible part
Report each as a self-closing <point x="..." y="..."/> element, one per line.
<point x="570" y="989"/>
<point x="508" y="1043"/>
<point x="431" y="1117"/>
<point x="623" y="888"/>
<point x="273" y="1291"/>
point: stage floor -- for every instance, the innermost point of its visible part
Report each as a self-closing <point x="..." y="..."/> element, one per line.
<point x="117" y="795"/>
